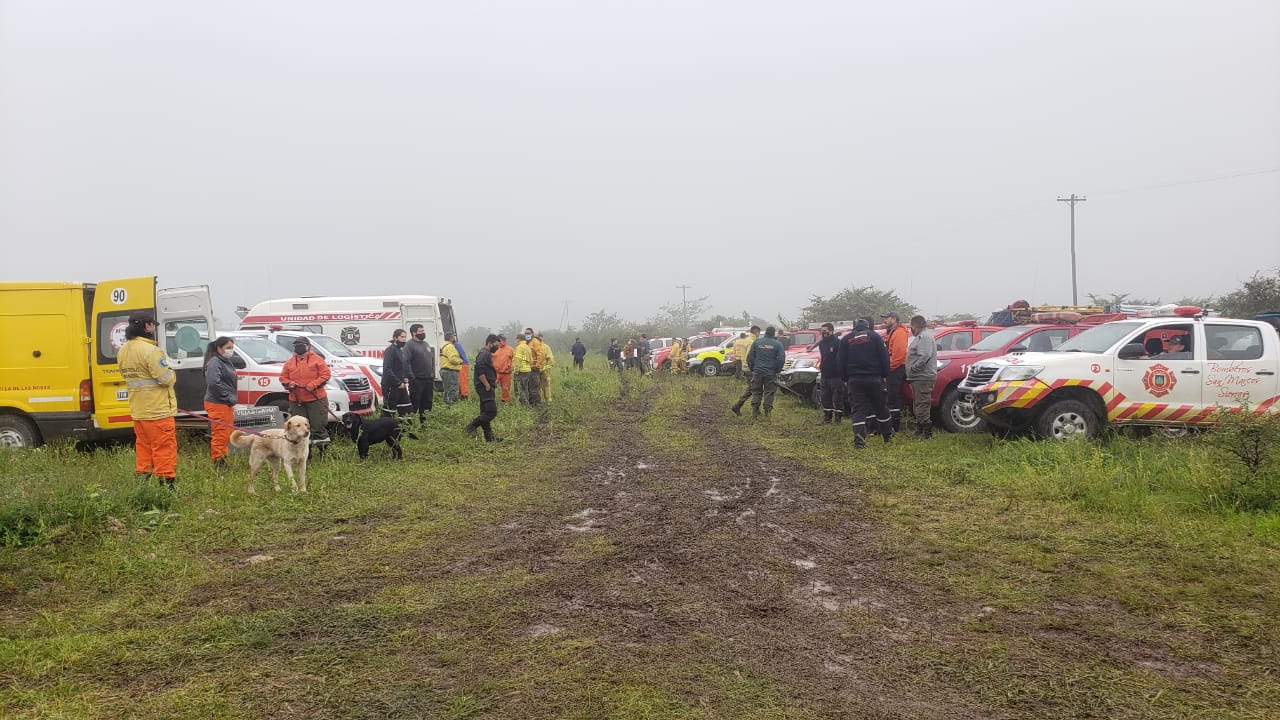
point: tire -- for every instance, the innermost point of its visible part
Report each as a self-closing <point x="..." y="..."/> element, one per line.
<point x="1067" y="420"/>
<point x="282" y="403"/>
<point x="710" y="368"/>
<point x="17" y="432"/>
<point x="955" y="419"/>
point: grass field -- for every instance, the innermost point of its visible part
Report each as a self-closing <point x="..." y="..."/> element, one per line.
<point x="635" y="551"/>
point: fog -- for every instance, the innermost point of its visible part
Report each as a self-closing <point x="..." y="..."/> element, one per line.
<point x="544" y="160"/>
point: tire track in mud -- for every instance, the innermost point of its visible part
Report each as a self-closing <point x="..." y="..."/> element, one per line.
<point x="734" y="555"/>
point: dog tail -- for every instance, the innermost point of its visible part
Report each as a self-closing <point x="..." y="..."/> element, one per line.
<point x="240" y="439"/>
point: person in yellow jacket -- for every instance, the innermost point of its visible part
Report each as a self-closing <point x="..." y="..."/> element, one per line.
<point x="523" y="373"/>
<point x="679" y="357"/>
<point x="545" y="361"/>
<point x="741" y="347"/>
<point x="450" y="368"/>
<point x="152" y="403"/>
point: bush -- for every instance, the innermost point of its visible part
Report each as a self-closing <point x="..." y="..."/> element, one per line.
<point x="1252" y="440"/>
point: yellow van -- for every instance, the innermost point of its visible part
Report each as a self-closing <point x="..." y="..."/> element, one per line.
<point x="58" y="371"/>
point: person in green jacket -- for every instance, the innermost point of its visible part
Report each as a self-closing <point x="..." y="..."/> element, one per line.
<point x="765" y="358"/>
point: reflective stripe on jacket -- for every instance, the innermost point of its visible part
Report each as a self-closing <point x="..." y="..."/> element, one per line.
<point x="522" y="360"/>
<point x="149" y="379"/>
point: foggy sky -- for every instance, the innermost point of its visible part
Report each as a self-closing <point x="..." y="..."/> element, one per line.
<point x="516" y="156"/>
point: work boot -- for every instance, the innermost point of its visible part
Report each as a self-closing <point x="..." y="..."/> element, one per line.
<point x="755" y="412"/>
<point x="767" y="412"/>
<point x="737" y="409"/>
<point x="168" y="483"/>
<point x="926" y="431"/>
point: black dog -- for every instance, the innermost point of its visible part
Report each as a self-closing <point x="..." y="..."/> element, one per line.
<point x="373" y="431"/>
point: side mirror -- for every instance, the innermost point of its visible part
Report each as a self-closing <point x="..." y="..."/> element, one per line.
<point x="1132" y="351"/>
<point x="1018" y="349"/>
<point x="237" y="361"/>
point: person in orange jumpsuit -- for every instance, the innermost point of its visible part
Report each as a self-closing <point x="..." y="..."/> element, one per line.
<point x="502" y="358"/>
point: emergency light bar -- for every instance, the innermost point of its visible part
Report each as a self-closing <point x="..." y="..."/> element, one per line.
<point x="1184" y="311"/>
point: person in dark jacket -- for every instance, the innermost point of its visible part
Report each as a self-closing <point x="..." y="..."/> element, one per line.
<point x="766" y="358"/>
<point x="422" y="366"/>
<point x="220" y="395"/>
<point x="833" y="395"/>
<point x="486" y="382"/>
<point x="864" y="366"/>
<point x="614" y="354"/>
<point x="396" y="377"/>
<point x="579" y="352"/>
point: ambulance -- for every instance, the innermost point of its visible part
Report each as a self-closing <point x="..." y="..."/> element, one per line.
<point x="58" y="372"/>
<point x="362" y="323"/>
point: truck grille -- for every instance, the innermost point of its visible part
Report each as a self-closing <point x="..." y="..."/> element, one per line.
<point x="979" y="375"/>
<point x="356" y="384"/>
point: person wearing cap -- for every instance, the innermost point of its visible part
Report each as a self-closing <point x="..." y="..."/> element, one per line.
<point x="153" y="405"/>
<point x="502" y="361"/>
<point x="896" y="338"/>
<point x="579" y="353"/>
<point x="304" y="375"/>
<point x="1177" y="348"/>
<point x="922" y="373"/>
<point x="864" y="366"/>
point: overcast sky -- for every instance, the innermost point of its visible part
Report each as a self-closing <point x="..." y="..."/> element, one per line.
<point x="518" y="155"/>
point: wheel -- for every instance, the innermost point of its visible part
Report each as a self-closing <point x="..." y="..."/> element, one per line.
<point x="18" y="432"/>
<point x="958" y="417"/>
<point x="711" y="368"/>
<point x="282" y="403"/>
<point x="1067" y="420"/>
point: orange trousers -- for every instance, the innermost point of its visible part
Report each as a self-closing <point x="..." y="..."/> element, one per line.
<point x="221" y="432"/>
<point x="504" y="380"/>
<point x="156" y="447"/>
<point x="464" y="388"/>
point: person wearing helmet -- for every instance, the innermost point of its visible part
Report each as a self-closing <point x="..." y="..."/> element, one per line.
<point x="153" y="405"/>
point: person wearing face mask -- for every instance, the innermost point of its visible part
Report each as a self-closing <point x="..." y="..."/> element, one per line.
<point x="450" y="366"/>
<point x="422" y="367"/>
<point x="152" y="403"/>
<point x="396" y="377"/>
<point x="486" y="383"/>
<point x="304" y="375"/>
<point x="220" y="396"/>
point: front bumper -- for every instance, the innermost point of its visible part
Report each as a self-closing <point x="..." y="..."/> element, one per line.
<point x="992" y="398"/>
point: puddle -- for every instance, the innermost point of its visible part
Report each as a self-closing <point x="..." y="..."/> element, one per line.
<point x="543" y="629"/>
<point x="806" y="564"/>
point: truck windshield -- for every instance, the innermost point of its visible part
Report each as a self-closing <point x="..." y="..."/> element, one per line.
<point x="331" y="346"/>
<point x="1099" y="339"/>
<point x="998" y="340"/>
<point x="262" y="350"/>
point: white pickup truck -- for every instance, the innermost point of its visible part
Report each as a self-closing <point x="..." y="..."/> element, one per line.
<point x="1132" y="372"/>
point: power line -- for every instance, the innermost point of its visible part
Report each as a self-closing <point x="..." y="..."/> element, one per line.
<point x="1215" y="178"/>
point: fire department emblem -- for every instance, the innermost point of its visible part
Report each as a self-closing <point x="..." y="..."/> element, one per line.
<point x="350" y="336"/>
<point x="1159" y="380"/>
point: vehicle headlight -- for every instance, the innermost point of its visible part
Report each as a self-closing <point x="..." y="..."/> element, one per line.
<point x="943" y="363"/>
<point x="1019" y="372"/>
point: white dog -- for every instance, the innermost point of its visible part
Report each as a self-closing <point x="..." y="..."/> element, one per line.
<point x="290" y="445"/>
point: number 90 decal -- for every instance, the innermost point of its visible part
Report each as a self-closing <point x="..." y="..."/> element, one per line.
<point x="119" y="296"/>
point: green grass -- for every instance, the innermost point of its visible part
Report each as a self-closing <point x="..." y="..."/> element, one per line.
<point x="1102" y="579"/>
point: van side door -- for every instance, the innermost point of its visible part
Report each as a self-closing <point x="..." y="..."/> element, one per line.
<point x="185" y="318"/>
<point x="113" y="302"/>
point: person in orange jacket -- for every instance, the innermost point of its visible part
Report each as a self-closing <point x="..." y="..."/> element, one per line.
<point x="304" y="375"/>
<point x="502" y="362"/>
<point x="897" y="338"/>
